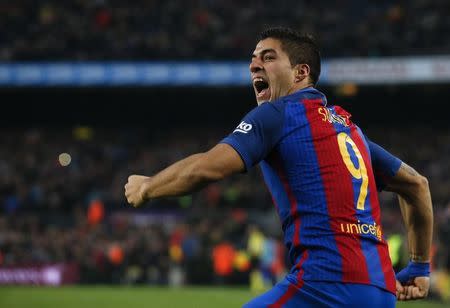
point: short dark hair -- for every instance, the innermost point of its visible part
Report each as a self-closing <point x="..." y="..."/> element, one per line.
<point x="300" y="48"/>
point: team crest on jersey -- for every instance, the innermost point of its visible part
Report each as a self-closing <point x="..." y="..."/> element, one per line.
<point x="328" y="116"/>
<point x="243" y="128"/>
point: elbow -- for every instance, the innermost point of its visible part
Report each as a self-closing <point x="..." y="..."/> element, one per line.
<point x="424" y="181"/>
<point x="421" y="183"/>
<point x="416" y="188"/>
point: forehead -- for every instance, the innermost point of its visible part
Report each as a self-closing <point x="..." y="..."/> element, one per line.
<point x="266" y="44"/>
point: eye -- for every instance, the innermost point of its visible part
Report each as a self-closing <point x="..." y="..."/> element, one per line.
<point x="268" y="57"/>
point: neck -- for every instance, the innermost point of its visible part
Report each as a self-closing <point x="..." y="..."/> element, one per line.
<point x="299" y="86"/>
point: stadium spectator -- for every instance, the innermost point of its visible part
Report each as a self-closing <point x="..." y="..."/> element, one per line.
<point x="149" y="30"/>
<point x="34" y="153"/>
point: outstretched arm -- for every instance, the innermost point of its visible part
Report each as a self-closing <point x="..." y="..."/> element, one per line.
<point x="186" y="175"/>
<point x="250" y="142"/>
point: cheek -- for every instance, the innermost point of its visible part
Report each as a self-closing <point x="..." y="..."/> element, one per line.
<point x="282" y="77"/>
<point x="284" y="80"/>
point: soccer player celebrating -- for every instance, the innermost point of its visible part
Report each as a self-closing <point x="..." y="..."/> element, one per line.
<point x="319" y="168"/>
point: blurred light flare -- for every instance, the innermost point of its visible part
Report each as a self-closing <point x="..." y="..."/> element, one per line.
<point x="64" y="159"/>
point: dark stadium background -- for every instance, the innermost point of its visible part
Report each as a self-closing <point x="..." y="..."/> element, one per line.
<point x="395" y="105"/>
<point x="411" y="119"/>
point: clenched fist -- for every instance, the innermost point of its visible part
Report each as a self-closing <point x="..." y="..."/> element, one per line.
<point x="415" y="289"/>
<point x="135" y="189"/>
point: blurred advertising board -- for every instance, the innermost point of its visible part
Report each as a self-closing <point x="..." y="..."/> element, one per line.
<point x="46" y="274"/>
<point x="363" y="71"/>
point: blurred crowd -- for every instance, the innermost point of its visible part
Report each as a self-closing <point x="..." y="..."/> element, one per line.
<point x="70" y="208"/>
<point x="204" y="29"/>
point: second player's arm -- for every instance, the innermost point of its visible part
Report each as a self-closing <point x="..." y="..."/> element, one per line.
<point x="417" y="211"/>
<point x="193" y="172"/>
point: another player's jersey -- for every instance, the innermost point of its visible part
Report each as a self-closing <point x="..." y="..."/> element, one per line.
<point x="317" y="166"/>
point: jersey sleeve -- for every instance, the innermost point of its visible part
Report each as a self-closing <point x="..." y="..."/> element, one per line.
<point x="385" y="165"/>
<point x="257" y="134"/>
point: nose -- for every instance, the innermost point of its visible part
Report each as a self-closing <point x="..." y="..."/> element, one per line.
<point x="255" y="65"/>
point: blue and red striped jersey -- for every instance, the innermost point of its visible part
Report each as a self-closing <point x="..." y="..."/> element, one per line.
<point x="317" y="165"/>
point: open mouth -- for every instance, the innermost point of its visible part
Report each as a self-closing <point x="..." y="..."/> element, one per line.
<point x="262" y="88"/>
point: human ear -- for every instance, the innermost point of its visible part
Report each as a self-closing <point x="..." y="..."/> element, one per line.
<point x="301" y="71"/>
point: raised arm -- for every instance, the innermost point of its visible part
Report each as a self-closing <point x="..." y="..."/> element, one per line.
<point x="185" y="176"/>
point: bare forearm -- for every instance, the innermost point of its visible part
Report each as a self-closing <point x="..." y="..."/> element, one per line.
<point x="185" y="176"/>
<point x="417" y="210"/>
<point x="417" y="214"/>
<point x="177" y="179"/>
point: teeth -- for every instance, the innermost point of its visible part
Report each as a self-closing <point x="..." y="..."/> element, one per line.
<point x="257" y="79"/>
